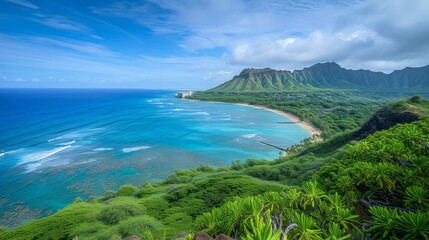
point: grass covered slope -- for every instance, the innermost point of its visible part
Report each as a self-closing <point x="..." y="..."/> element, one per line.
<point x="157" y="210"/>
<point x="378" y="189"/>
<point x="325" y="76"/>
<point x="330" y="190"/>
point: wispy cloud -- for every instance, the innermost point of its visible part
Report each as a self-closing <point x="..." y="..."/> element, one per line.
<point x="39" y="56"/>
<point x="24" y="3"/>
<point x="195" y="43"/>
<point x="380" y="35"/>
<point x="224" y="23"/>
<point x="81" y="46"/>
<point x="62" y="23"/>
<point x="17" y="80"/>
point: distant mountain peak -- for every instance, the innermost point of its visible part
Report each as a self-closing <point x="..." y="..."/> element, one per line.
<point x="254" y="71"/>
<point x="326" y="65"/>
<point x="326" y="75"/>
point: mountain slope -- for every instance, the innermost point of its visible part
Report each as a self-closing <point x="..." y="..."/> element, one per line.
<point x="326" y="75"/>
<point x="404" y="111"/>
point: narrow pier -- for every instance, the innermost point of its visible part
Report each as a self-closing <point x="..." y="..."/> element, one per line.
<point x="274" y="146"/>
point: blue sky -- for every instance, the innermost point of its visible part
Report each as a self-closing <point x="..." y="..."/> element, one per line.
<point x="198" y="44"/>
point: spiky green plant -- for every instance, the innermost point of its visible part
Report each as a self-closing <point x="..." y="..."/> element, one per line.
<point x="293" y="198"/>
<point x="336" y="233"/>
<point x="260" y="228"/>
<point x="306" y="229"/>
<point x="417" y="197"/>
<point x="312" y="194"/>
<point x="413" y="225"/>
<point x="344" y="217"/>
<point x="383" y="222"/>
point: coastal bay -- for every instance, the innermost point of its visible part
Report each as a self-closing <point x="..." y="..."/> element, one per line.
<point x="58" y="145"/>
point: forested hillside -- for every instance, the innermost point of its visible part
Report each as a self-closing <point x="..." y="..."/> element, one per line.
<point x="326" y="76"/>
<point x="332" y="112"/>
<point x="341" y="189"/>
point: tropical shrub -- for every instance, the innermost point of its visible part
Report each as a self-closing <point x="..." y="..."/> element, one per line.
<point x="113" y="214"/>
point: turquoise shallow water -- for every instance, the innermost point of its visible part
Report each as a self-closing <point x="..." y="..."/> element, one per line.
<point x="56" y="145"/>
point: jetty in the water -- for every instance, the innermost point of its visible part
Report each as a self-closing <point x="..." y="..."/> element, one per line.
<point x="184" y="94"/>
<point x="274" y="146"/>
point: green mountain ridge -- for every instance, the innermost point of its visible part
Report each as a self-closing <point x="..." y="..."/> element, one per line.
<point x="328" y="75"/>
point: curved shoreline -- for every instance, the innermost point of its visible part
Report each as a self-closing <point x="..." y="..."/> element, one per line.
<point x="305" y="125"/>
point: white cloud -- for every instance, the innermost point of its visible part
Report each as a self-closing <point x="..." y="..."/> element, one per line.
<point x="378" y="35"/>
<point x="62" y="23"/>
<point x="286" y="34"/>
<point x="42" y="57"/>
<point x="24" y="3"/>
<point x="81" y="46"/>
<point x="218" y="76"/>
<point x="373" y="34"/>
<point x="224" y="23"/>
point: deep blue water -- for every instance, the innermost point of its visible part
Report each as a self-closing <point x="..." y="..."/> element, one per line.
<point x="56" y="145"/>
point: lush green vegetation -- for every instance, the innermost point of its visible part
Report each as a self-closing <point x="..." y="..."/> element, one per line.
<point x="160" y="210"/>
<point x="336" y="189"/>
<point x="381" y="182"/>
<point x="330" y="111"/>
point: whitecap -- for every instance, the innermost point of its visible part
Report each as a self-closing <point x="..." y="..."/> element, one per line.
<point x="251" y="135"/>
<point x="133" y="149"/>
<point x="67" y="143"/>
<point x="77" y="134"/>
<point x="32" y="167"/>
<point x="178" y="109"/>
<point x="1" y="154"/>
<point x="37" y="156"/>
<point x="103" y="149"/>
<point x="202" y="113"/>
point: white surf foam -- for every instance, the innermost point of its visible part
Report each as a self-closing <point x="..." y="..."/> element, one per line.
<point x="77" y="134"/>
<point x="103" y="149"/>
<point x="32" y="167"/>
<point x="251" y="135"/>
<point x="133" y="149"/>
<point x="37" y="156"/>
<point x="1" y="154"/>
<point x="178" y="109"/>
<point x="67" y="143"/>
<point x="202" y="113"/>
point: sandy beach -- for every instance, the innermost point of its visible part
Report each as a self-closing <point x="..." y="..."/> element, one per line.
<point x="307" y="126"/>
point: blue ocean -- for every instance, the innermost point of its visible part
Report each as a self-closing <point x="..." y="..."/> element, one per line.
<point x="56" y="145"/>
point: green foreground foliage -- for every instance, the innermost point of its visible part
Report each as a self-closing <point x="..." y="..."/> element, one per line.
<point x="376" y="188"/>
